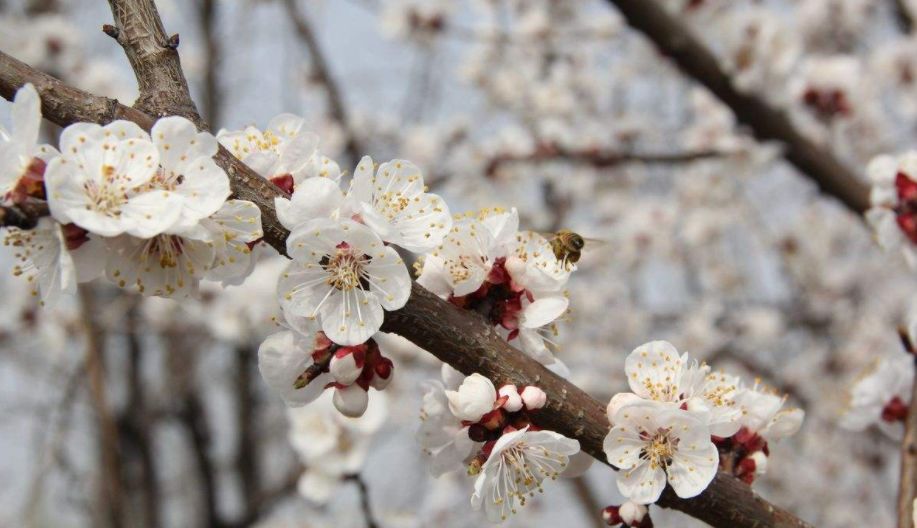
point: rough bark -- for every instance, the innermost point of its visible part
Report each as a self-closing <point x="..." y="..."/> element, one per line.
<point x="766" y="122"/>
<point x="154" y="58"/>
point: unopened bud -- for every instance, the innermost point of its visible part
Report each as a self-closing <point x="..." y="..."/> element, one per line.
<point x="351" y="401"/>
<point x="610" y="516"/>
<point x="533" y="397"/>
<point x="513" y="401"/>
<point x="382" y="373"/>
<point x="632" y="513"/>
<point x="346" y="366"/>
<point x="760" y="460"/>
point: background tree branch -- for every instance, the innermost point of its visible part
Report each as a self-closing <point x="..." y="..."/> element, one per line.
<point x="766" y="122"/>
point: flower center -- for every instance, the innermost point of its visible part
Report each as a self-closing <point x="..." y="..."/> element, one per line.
<point x="168" y="248"/>
<point x="108" y="197"/>
<point x="346" y="269"/>
<point x="659" y="449"/>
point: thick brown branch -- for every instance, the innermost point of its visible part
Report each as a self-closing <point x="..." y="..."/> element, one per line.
<point x="23" y="216"/>
<point x="323" y="74"/>
<point x="63" y="105"/>
<point x="907" y="487"/>
<point x="767" y="122"/>
<point x="469" y="344"/>
<point x="466" y="342"/>
<point x="154" y="59"/>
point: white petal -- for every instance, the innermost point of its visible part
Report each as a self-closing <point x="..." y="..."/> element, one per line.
<point x="281" y="360"/>
<point x="653" y="371"/>
<point x="26" y="115"/>
<point x="544" y="311"/>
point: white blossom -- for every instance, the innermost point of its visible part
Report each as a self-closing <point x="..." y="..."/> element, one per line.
<point x="284" y="356"/>
<point x="886" y="379"/>
<point x="343" y="273"/>
<point x="42" y="259"/>
<point x="285" y="148"/>
<point x="474" y="398"/>
<point x="763" y="413"/>
<point x="516" y="467"/>
<point x="330" y="445"/>
<point x="652" y="443"/>
<point x="19" y="148"/>
<point x="655" y="371"/>
<point x="101" y="182"/>
<point x="442" y="437"/>
<point x="393" y="202"/>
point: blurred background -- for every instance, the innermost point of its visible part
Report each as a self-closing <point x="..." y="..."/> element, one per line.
<point x="124" y="411"/>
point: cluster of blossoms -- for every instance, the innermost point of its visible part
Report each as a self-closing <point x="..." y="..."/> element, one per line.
<point x="150" y="210"/>
<point x="344" y="271"/>
<point x="332" y="448"/>
<point x="893" y="215"/>
<point x="468" y="423"/>
<point x="881" y="394"/>
<point x="680" y="425"/>
<point x="683" y="422"/>
<point x="514" y="279"/>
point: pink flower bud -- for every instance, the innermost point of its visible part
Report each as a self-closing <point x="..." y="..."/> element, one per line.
<point x="513" y="401"/>
<point x="346" y="366"/>
<point x="632" y="513"/>
<point x="382" y="373"/>
<point x="533" y="397"/>
<point x="760" y="462"/>
<point x="351" y="401"/>
<point x="610" y="516"/>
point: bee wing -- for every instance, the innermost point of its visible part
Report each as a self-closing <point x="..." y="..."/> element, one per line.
<point x="594" y="242"/>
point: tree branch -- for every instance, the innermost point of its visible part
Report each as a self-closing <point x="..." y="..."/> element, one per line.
<point x="154" y="59"/>
<point x="63" y="105"/>
<point x="903" y="16"/>
<point x="110" y="496"/>
<point x="907" y="485"/>
<point x="597" y="158"/>
<point x="364" y="500"/>
<point x="469" y="344"/>
<point x="207" y="13"/>
<point x="766" y="122"/>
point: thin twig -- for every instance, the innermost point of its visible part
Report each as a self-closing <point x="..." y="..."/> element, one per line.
<point x="364" y="500"/>
<point x="598" y="158"/>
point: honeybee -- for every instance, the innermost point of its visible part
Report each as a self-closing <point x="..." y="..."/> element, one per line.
<point x="568" y="246"/>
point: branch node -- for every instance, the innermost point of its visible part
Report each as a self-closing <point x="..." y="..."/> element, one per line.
<point x="111" y="31"/>
<point x="173" y="41"/>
